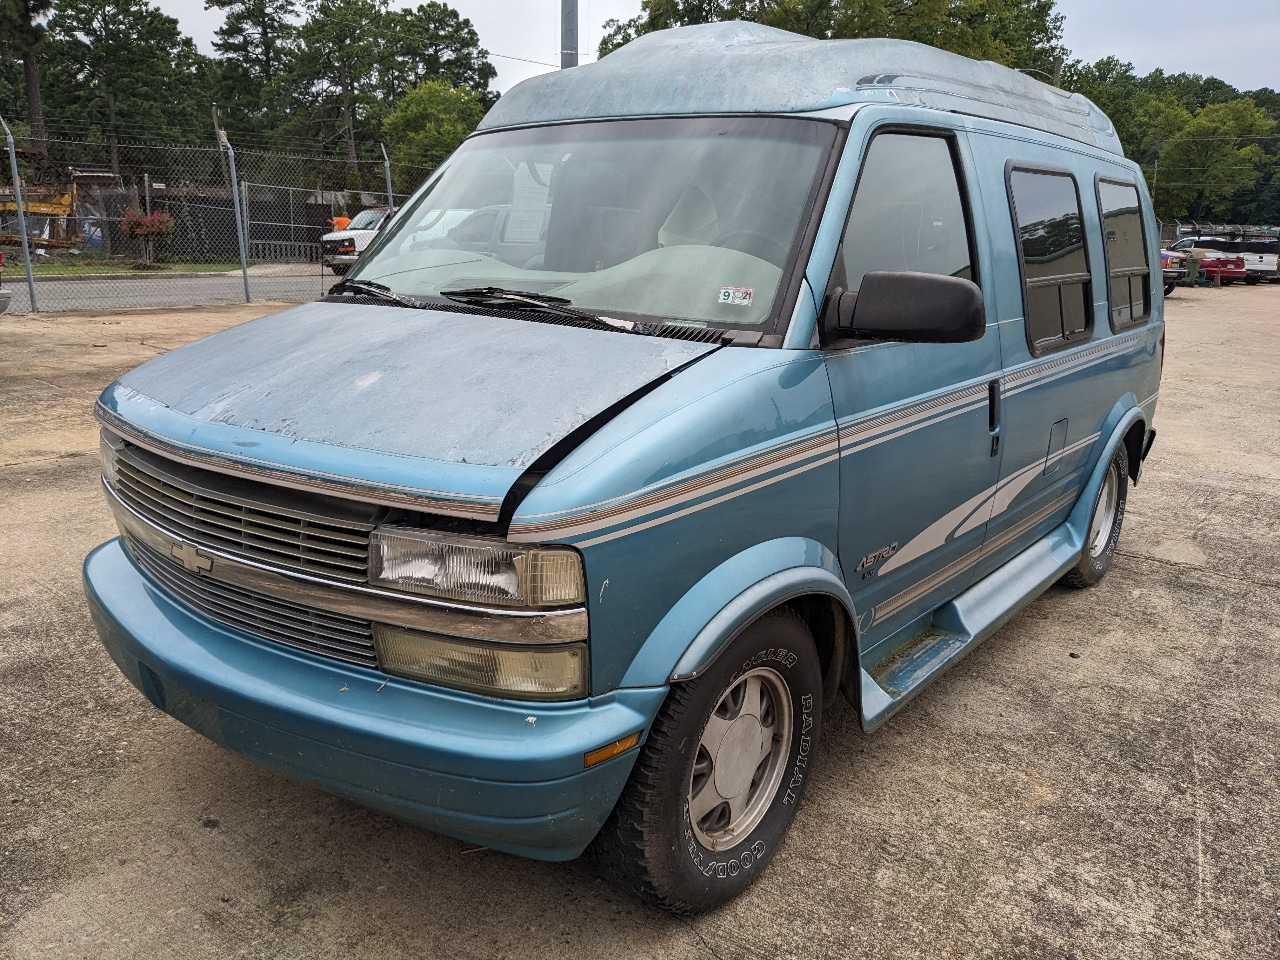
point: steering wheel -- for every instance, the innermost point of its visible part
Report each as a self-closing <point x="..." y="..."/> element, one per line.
<point x="756" y="243"/>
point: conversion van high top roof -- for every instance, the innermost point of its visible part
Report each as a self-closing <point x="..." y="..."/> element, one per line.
<point x="700" y="386"/>
<point x="728" y="68"/>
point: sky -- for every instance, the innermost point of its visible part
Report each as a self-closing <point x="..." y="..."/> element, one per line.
<point x="1238" y="42"/>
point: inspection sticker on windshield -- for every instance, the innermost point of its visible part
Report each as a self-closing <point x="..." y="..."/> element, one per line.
<point x="737" y="296"/>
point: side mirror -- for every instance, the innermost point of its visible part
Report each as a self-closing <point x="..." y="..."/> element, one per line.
<point x="906" y="306"/>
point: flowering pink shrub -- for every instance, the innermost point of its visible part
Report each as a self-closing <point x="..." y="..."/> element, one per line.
<point x="138" y="224"/>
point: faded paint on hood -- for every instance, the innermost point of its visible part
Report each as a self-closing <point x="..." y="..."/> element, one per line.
<point x="417" y="383"/>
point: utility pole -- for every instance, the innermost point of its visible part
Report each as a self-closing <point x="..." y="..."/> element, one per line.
<point x="568" y="34"/>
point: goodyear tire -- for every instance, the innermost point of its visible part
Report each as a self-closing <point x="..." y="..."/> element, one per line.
<point x="722" y="773"/>
<point x="1104" y="524"/>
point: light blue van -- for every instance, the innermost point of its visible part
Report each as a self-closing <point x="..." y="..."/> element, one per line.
<point x="702" y="385"/>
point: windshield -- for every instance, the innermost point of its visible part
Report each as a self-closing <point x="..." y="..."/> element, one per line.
<point x="691" y="219"/>
<point x="366" y="219"/>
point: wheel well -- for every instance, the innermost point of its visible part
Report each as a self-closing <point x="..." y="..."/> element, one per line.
<point x="832" y="631"/>
<point x="1133" y="441"/>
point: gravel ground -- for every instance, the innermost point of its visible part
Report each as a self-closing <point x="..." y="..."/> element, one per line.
<point x="1098" y="780"/>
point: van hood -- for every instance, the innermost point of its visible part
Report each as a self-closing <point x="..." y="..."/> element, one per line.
<point x="412" y="407"/>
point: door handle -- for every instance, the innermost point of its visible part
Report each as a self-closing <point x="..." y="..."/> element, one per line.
<point x="993" y="414"/>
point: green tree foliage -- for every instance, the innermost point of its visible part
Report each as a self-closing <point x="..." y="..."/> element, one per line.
<point x="433" y="42"/>
<point x="22" y="38"/>
<point x="335" y="71"/>
<point x="1212" y="158"/>
<point x="1025" y="35"/>
<point x="429" y="122"/>
<point x="12" y="94"/>
<point x="122" y="65"/>
<point x="1207" y="151"/>
<point x="356" y="57"/>
<point x="255" y="47"/>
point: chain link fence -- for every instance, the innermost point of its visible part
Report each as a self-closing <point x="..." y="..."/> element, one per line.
<point x="131" y="225"/>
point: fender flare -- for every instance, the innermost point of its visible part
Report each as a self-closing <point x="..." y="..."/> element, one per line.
<point x="727" y="600"/>
<point x="1078" y="520"/>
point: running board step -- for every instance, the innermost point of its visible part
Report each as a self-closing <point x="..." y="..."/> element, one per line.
<point x="957" y="627"/>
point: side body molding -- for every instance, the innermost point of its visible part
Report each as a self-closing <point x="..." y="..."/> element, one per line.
<point x="973" y="616"/>
<point x="727" y="600"/>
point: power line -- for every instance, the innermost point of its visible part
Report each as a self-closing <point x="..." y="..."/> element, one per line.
<point x="541" y="63"/>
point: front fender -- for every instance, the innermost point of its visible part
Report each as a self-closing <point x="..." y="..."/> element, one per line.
<point x="720" y="605"/>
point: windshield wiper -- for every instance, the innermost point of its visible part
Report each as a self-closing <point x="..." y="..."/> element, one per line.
<point x="497" y="296"/>
<point x="378" y="291"/>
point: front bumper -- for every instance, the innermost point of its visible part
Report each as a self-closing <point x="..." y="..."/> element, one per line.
<point x="501" y="773"/>
<point x="332" y="259"/>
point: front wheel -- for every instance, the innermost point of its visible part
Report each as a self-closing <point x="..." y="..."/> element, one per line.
<point x="724" y="768"/>
<point x="1168" y="288"/>
<point x="1104" y="526"/>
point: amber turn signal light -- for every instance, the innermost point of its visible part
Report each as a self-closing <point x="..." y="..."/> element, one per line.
<point x="609" y="751"/>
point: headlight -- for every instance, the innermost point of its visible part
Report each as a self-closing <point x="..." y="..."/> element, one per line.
<point x="552" y="672"/>
<point x="474" y="569"/>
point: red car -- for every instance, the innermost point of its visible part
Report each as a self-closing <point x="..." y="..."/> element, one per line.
<point x="1213" y="261"/>
<point x="1223" y="265"/>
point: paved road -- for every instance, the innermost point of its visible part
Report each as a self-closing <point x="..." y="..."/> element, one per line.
<point x="268" y="282"/>
<point x="1099" y="779"/>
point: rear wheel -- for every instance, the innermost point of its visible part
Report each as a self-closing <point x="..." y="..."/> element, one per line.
<point x="1252" y="281"/>
<point x="724" y="768"/>
<point x="1104" y="527"/>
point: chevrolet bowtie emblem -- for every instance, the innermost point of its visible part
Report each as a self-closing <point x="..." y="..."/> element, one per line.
<point x="191" y="558"/>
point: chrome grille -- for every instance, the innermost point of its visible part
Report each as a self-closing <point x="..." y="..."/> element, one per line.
<point x="236" y="518"/>
<point x="307" y="628"/>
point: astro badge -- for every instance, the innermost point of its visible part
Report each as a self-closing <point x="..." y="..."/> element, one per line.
<point x="736" y="296"/>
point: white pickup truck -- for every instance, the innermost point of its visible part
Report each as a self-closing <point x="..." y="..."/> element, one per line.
<point x="1260" y="259"/>
<point x="341" y="248"/>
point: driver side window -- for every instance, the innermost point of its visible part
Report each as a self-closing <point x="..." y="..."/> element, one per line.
<point x="907" y="213"/>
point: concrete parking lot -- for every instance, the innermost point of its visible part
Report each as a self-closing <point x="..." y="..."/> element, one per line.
<point x="1099" y="780"/>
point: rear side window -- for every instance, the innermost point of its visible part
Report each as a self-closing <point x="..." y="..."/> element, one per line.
<point x="908" y="213"/>
<point x="1055" y="265"/>
<point x="1128" y="273"/>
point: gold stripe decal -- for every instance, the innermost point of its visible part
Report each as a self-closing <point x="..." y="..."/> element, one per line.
<point x="888" y="608"/>
<point x="646" y="504"/>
